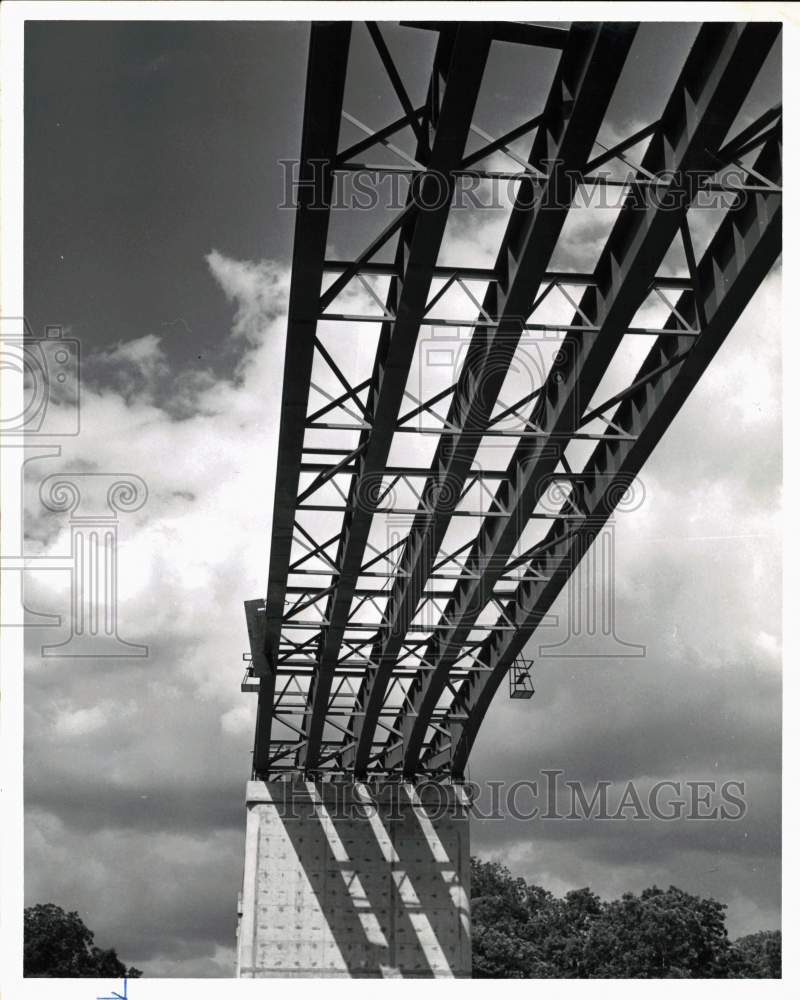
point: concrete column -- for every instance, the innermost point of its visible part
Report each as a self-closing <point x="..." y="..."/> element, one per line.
<point x="355" y="880"/>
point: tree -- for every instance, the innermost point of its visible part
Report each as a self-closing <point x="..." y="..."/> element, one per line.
<point x="522" y="931"/>
<point x="59" y="944"/>
<point x="658" y="935"/>
<point x="760" y="954"/>
<point x="499" y="909"/>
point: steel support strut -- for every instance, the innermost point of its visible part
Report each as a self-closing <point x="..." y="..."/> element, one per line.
<point x="327" y="65"/>
<point x="738" y="259"/>
<point x="584" y="81"/>
<point x="339" y="655"/>
<point x="458" y="69"/>
<point x="717" y="76"/>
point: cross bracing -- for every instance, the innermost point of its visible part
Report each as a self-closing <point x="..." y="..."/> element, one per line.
<point x="403" y="576"/>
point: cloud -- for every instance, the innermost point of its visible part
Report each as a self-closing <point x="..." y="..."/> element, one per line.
<point x="697" y="583"/>
<point x="81" y="721"/>
<point x="135" y="768"/>
<point x="157" y="749"/>
<point x="144" y="353"/>
<point x="164" y="900"/>
<point x="134" y="368"/>
<point x="128" y="750"/>
<point x="238" y="720"/>
<point x="260" y="291"/>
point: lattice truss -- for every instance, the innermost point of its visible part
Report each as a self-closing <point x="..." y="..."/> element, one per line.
<point x="463" y="406"/>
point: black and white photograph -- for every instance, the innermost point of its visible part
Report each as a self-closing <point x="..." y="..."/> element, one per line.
<point x="394" y="565"/>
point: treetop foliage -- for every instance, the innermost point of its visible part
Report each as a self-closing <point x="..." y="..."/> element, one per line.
<point x="522" y="931"/>
<point x="59" y="945"/>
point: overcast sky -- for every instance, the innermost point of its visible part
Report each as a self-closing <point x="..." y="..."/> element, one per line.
<point x="153" y="234"/>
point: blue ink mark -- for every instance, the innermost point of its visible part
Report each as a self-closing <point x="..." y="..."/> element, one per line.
<point x="118" y="996"/>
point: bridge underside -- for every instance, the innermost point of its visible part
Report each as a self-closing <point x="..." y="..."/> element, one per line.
<point x="458" y="423"/>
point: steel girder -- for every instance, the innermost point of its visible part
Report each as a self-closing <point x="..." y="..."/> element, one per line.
<point x="584" y="81"/>
<point x="426" y="735"/>
<point x="256" y="634"/>
<point x="740" y="255"/>
<point x="717" y="76"/>
<point x="508" y="31"/>
<point x="327" y="65"/>
<point x="458" y="69"/>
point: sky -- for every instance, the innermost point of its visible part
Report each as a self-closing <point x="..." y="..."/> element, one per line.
<point x="153" y="235"/>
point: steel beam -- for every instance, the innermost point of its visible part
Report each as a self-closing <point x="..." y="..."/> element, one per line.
<point x="581" y="90"/>
<point x="517" y="32"/>
<point x="458" y="69"/>
<point x="346" y="630"/>
<point x="738" y="259"/>
<point x="716" y="78"/>
<point x="327" y="65"/>
<point x="489" y="274"/>
<point x="256" y="633"/>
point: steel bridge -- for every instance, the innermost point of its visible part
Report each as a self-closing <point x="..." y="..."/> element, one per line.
<point x="415" y="543"/>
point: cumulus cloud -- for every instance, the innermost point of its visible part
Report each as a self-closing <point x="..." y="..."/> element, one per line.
<point x="161" y="743"/>
<point x="145" y="354"/>
<point x="159" y="746"/>
<point x="697" y="583"/>
<point x="135" y="369"/>
<point x="259" y="290"/>
<point x="135" y="768"/>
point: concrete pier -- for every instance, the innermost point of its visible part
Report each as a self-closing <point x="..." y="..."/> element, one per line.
<point x="355" y="880"/>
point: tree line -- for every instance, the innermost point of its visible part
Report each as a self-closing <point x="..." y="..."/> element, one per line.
<point x="522" y="931"/>
<point x="519" y="931"/>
